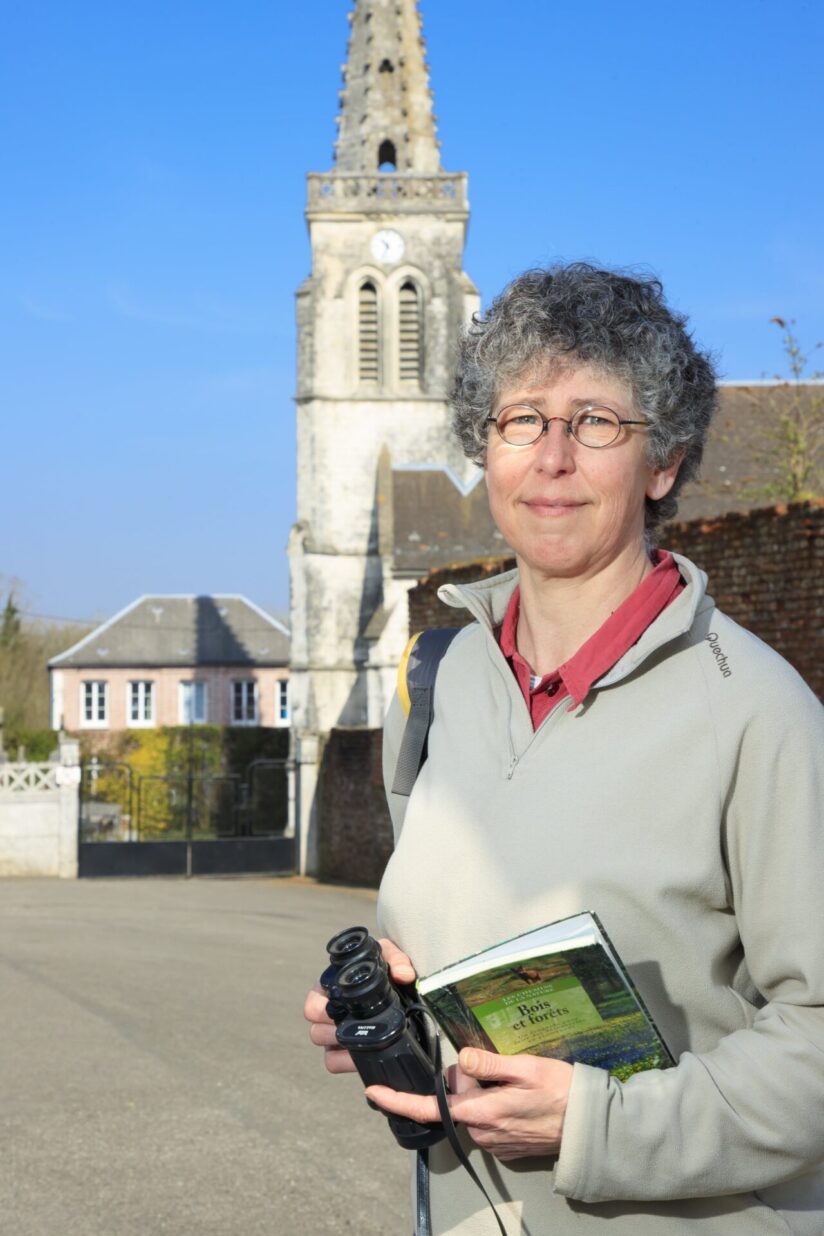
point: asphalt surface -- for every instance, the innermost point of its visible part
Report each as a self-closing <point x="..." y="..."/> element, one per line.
<point x="155" y="1071"/>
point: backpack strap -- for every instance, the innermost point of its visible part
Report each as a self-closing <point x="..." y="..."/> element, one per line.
<point x="416" y="689"/>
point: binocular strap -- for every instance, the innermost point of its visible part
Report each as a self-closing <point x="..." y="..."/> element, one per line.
<point x="423" y="1215"/>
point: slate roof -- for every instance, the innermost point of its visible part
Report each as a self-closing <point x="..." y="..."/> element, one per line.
<point x="182" y="631"/>
<point x="738" y="454"/>
<point x="436" y="521"/>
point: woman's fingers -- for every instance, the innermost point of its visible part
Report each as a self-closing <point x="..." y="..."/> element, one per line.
<point x="314" y="1006"/>
<point x="522" y="1114"/>
<point x="420" y="1107"/>
<point x="458" y="1082"/>
<point x="323" y="1035"/>
<point x="338" y="1061"/>
<point x="400" y="967"/>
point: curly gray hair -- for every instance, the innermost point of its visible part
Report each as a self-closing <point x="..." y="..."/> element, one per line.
<point x="615" y="322"/>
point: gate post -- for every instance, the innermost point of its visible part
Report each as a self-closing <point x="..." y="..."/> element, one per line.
<point x="307" y="768"/>
<point x="67" y="777"/>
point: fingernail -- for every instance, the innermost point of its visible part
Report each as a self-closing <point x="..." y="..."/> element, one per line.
<point x="470" y="1060"/>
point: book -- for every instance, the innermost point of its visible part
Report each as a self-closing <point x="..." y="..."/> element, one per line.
<point x="559" y="990"/>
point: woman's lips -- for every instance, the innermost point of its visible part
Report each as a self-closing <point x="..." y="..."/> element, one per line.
<point x="550" y="507"/>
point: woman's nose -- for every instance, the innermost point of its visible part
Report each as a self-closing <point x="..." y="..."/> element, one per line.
<point x="556" y="447"/>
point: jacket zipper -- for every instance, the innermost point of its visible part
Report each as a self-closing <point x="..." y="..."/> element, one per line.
<point x="513" y="758"/>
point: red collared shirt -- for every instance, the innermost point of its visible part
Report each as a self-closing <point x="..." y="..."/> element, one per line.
<point x="622" y="629"/>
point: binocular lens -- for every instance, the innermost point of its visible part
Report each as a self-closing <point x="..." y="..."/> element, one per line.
<point x="364" y="987"/>
<point x="356" y="974"/>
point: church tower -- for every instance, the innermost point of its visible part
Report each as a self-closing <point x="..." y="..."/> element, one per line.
<point x="377" y="321"/>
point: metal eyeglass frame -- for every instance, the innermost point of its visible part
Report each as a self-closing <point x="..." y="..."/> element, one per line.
<point x="570" y="425"/>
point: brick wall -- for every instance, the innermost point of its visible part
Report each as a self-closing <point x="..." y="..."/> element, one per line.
<point x="425" y="610"/>
<point x="355" y="831"/>
<point x="765" y="568"/>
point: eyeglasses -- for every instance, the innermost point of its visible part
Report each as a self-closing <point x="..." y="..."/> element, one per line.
<point x="520" y="425"/>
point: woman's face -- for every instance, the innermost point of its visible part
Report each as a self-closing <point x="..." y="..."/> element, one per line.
<point x="567" y="509"/>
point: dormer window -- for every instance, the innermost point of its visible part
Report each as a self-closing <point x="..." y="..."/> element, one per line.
<point x="368" y="338"/>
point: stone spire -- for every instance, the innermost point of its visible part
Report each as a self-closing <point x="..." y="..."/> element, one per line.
<point x="386" y="118"/>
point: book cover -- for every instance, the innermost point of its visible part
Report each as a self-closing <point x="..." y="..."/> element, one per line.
<point x="560" y="990"/>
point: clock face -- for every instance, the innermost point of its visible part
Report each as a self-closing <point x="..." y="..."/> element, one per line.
<point x="387" y="246"/>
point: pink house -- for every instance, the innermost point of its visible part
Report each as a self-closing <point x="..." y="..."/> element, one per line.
<point x="175" y="660"/>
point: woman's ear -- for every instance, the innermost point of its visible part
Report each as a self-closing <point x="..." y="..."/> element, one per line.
<point x="662" y="480"/>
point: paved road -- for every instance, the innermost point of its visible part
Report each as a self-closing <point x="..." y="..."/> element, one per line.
<point x="155" y="1075"/>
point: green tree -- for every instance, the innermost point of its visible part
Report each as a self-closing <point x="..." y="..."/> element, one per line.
<point x="789" y="443"/>
<point x="25" y="648"/>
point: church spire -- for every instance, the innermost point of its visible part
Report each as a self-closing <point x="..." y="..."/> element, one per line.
<point x="386" y="118"/>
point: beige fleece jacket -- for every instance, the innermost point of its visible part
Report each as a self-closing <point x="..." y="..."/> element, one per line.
<point x="683" y="802"/>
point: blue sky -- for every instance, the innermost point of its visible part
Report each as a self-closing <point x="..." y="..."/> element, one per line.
<point x="154" y="159"/>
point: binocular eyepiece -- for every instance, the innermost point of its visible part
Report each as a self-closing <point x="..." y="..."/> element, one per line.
<point x="380" y="1026"/>
<point x="348" y="948"/>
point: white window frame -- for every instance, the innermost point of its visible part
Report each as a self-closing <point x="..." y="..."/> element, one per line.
<point x="193" y="685"/>
<point x="145" y="693"/>
<point x="282" y="702"/>
<point x="246" y="683"/>
<point x="101" y="692"/>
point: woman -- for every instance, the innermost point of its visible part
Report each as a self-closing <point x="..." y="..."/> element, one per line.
<point x="605" y="739"/>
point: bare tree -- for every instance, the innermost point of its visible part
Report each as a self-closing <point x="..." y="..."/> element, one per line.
<point x="789" y="442"/>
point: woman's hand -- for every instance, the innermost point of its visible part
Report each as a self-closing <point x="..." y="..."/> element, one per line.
<point x="521" y="1114"/>
<point x="322" y="1031"/>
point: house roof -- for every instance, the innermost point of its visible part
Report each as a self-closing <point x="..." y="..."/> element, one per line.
<point x="185" y="631"/>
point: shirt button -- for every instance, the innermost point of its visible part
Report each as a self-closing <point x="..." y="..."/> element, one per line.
<point x="552" y="689"/>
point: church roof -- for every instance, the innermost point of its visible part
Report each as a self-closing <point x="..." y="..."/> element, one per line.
<point x="741" y="455"/>
<point x="437" y="521"/>
<point x="185" y="631"/>
<point x="386" y="105"/>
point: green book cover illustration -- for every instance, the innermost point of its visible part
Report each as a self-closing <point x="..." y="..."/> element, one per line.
<point x="560" y="990"/>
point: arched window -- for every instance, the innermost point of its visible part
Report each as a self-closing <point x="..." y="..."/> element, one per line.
<point x="410" y="341"/>
<point x="368" y="340"/>
<point x="387" y="157"/>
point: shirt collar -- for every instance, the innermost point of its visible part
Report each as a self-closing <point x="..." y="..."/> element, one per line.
<point x="609" y="643"/>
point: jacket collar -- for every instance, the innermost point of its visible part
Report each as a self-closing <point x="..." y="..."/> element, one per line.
<point x="487" y="601"/>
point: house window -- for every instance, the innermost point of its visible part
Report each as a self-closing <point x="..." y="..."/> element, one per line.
<point x="192" y="703"/>
<point x="409" y="341"/>
<point x="244" y="702"/>
<point x="282" y="711"/>
<point x="141" y="703"/>
<point x="95" y="703"/>
<point x="368" y="354"/>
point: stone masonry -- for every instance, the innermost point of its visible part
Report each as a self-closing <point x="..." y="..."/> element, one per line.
<point x="389" y="221"/>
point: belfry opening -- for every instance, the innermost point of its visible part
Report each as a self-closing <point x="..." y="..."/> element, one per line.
<point x="387" y="157"/>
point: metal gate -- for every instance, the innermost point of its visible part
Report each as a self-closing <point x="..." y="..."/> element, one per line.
<point x="190" y="823"/>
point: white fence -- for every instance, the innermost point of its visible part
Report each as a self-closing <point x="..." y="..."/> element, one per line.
<point x="39" y="812"/>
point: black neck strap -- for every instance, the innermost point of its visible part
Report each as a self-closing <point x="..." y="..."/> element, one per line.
<point x="424" y="1220"/>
